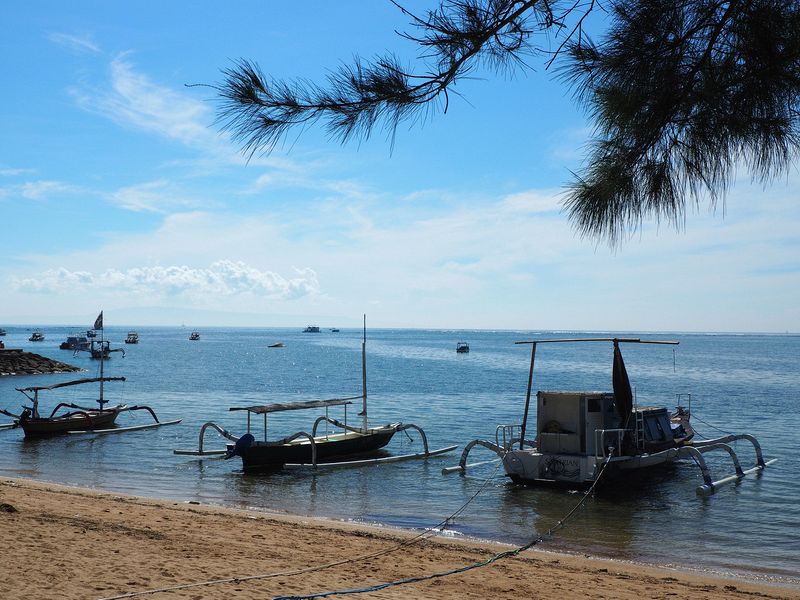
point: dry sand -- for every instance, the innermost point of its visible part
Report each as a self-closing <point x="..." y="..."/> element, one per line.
<point x="60" y="542"/>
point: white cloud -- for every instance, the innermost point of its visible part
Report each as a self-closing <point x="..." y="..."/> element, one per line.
<point x="9" y="172"/>
<point x="223" y="278"/>
<point x="153" y="196"/>
<point x="37" y="190"/>
<point x="135" y="100"/>
<point x="75" y="42"/>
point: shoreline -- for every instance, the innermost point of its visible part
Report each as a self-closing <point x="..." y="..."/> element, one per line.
<point x="86" y="543"/>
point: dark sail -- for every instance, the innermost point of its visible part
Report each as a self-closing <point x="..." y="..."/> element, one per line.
<point x="623" y="397"/>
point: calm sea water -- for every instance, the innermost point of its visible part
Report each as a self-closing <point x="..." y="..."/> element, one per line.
<point x="739" y="383"/>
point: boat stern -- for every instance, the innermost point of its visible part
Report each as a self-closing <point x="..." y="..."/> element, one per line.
<point x="529" y="465"/>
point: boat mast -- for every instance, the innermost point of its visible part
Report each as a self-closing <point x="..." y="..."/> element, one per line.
<point x="364" y="374"/>
<point x="99" y="319"/>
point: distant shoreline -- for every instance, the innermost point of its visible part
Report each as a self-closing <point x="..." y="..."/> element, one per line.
<point x="86" y="543"/>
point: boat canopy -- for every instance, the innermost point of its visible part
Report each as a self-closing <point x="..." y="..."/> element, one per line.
<point x="68" y="383"/>
<point x="268" y="408"/>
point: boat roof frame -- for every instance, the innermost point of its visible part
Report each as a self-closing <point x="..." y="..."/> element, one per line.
<point x="280" y="407"/>
<point x="68" y="383"/>
<point x="613" y="339"/>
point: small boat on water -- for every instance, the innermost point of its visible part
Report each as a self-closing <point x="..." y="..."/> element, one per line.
<point x="194" y="336"/>
<point x="348" y="445"/>
<point x="579" y="436"/>
<point x="334" y="330"/>
<point x="276" y="345"/>
<point x="311" y="329"/>
<point x="2" y="331"/>
<point x="462" y="347"/>
<point x="36" y="336"/>
<point x="75" y="342"/>
<point x="101" y="350"/>
<point x="91" y="333"/>
<point x="133" y="338"/>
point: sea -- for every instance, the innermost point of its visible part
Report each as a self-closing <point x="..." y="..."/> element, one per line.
<point x="739" y="383"/>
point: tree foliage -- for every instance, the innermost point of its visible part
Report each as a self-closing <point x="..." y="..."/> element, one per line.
<point x="681" y="92"/>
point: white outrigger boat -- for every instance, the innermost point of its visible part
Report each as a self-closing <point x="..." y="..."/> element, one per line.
<point x="347" y="446"/>
<point x="581" y="434"/>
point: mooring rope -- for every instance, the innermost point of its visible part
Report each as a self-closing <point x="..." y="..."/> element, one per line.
<point x="409" y="542"/>
<point x="501" y="555"/>
<point x="696" y="418"/>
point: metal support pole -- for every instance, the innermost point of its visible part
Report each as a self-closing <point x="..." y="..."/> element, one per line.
<point x="527" y="398"/>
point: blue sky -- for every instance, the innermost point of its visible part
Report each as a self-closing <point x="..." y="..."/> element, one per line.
<point x="117" y="192"/>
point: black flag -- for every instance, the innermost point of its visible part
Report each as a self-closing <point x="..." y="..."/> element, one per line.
<point x="98" y="322"/>
<point x="623" y="397"/>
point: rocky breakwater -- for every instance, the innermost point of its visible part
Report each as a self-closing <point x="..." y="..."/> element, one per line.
<point x="14" y="361"/>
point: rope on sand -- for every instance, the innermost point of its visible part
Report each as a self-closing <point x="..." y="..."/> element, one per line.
<point x="501" y="555"/>
<point x="483" y="563"/>
<point x="236" y="580"/>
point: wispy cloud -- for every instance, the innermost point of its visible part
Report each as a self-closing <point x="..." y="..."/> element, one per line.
<point x="134" y="100"/>
<point x="36" y="190"/>
<point x="153" y="196"/>
<point x="222" y="278"/>
<point x="80" y="43"/>
<point x="10" y="172"/>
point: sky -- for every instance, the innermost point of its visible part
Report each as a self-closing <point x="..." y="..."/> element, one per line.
<point x="119" y="192"/>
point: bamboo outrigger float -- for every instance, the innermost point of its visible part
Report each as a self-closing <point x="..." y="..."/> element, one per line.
<point x="579" y="434"/>
<point x="348" y="446"/>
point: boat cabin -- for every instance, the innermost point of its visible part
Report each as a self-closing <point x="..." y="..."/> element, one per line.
<point x="588" y="423"/>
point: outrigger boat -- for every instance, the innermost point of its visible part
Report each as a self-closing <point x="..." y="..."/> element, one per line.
<point x="100" y="350"/>
<point x="349" y="446"/>
<point x="581" y="434"/>
<point x="79" y="420"/>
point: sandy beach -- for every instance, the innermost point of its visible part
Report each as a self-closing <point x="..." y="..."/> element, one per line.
<point x="63" y="542"/>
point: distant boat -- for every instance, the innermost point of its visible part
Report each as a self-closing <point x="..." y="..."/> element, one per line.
<point x="334" y="330"/>
<point x="2" y="331"/>
<point x="276" y="345"/>
<point x="195" y="336"/>
<point x="36" y="336"/>
<point x="91" y="333"/>
<point x="311" y="329"/>
<point x="133" y="338"/>
<point x="75" y="342"/>
<point x="101" y="350"/>
<point x="462" y="347"/>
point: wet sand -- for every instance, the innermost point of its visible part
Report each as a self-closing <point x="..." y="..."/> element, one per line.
<point x="62" y="542"/>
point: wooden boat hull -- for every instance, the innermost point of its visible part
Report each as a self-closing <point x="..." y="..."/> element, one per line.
<point x="266" y="456"/>
<point x="73" y="421"/>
